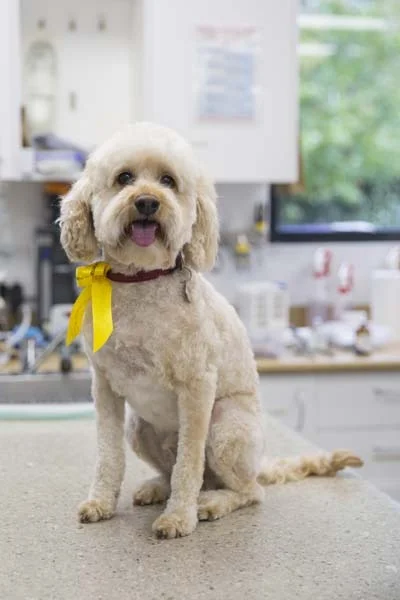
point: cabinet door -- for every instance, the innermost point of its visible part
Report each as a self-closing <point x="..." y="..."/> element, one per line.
<point x="236" y="148"/>
<point x="361" y="412"/>
<point x="358" y="402"/>
<point x="93" y="71"/>
<point x="289" y="399"/>
<point x="10" y="127"/>
<point x="379" y="450"/>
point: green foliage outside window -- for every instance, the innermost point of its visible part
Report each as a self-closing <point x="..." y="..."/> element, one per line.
<point x="350" y="120"/>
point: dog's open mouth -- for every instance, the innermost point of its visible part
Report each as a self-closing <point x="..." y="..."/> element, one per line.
<point x="144" y="232"/>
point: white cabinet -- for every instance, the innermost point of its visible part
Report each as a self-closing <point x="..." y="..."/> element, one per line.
<point x="235" y="150"/>
<point x="10" y="106"/>
<point x="144" y="64"/>
<point x="357" y="411"/>
<point x="358" y="402"/>
<point x="361" y="411"/>
<point x="289" y="399"/>
<point x="380" y="451"/>
<point x="93" y="71"/>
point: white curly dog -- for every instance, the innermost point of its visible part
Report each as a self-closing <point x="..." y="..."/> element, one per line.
<point x="178" y="362"/>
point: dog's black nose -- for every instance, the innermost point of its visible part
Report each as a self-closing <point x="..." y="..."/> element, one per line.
<point x="147" y="205"/>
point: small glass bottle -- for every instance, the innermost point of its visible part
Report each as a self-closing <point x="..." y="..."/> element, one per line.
<point x="242" y="252"/>
<point x="362" y="342"/>
<point x="319" y="304"/>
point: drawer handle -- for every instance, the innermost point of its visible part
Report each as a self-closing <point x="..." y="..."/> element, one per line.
<point x="279" y="413"/>
<point x="282" y="412"/>
<point x="301" y="411"/>
<point x="386" y="453"/>
<point x="386" y="395"/>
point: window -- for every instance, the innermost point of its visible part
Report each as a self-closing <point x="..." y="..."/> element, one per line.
<point x="349" y="188"/>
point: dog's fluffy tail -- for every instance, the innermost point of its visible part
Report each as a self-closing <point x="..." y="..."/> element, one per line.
<point x="281" y="470"/>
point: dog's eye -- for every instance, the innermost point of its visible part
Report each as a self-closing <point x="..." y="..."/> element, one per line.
<point x="168" y="181"/>
<point x="125" y="178"/>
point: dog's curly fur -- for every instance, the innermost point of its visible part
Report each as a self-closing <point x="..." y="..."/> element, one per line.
<point x="179" y="358"/>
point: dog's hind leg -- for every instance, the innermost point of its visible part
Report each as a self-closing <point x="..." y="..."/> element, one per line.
<point x="235" y="455"/>
<point x="159" y="451"/>
<point x="233" y="452"/>
<point x="152" y="491"/>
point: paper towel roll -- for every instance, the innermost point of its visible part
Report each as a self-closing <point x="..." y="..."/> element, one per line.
<point x="385" y="300"/>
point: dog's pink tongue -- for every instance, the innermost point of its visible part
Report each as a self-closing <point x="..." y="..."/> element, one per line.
<point x="143" y="234"/>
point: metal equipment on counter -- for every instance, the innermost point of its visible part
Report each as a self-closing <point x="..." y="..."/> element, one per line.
<point x="55" y="275"/>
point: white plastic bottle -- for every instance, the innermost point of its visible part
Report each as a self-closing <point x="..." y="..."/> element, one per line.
<point x="392" y="260"/>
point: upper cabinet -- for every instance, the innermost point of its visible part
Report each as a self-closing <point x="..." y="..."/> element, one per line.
<point x="222" y="72"/>
<point x="10" y="95"/>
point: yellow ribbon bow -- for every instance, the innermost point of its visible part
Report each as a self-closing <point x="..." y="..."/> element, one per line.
<point x="98" y="289"/>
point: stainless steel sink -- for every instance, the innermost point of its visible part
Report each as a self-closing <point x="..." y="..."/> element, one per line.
<point x="45" y="388"/>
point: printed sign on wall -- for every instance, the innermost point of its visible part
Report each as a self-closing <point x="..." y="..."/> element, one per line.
<point x="226" y="78"/>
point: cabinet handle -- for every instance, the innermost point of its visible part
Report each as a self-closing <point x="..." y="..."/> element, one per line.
<point x="279" y="413"/>
<point x="386" y="453"/>
<point x="301" y="411"/>
<point x="383" y="395"/>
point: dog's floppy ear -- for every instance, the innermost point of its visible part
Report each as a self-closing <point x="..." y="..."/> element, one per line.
<point x="201" y="252"/>
<point x="76" y="222"/>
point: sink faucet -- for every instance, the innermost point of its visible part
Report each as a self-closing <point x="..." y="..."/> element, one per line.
<point x="32" y="361"/>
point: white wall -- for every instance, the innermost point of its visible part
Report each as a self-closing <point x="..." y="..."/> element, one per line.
<point x="289" y="262"/>
<point x="292" y="263"/>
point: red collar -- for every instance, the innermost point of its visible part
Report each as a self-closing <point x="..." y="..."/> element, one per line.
<point x="144" y="275"/>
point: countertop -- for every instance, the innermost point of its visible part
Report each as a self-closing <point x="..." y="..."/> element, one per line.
<point x="51" y="364"/>
<point x="387" y="359"/>
<point x="326" y="538"/>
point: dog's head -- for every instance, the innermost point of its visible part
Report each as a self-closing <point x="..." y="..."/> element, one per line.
<point x="142" y="199"/>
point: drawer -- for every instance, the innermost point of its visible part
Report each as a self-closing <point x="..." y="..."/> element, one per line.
<point x="287" y="399"/>
<point x="380" y="452"/>
<point x="369" y="401"/>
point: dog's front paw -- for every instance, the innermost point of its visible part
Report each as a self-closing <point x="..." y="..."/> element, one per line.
<point x="94" y="510"/>
<point x="175" y="523"/>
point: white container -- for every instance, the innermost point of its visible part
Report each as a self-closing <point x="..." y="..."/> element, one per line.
<point x="263" y="307"/>
<point x="385" y="300"/>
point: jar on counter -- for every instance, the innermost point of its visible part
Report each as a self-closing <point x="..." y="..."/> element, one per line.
<point x="362" y="342"/>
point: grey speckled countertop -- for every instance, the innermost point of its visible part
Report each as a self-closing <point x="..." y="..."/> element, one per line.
<point x="322" y="539"/>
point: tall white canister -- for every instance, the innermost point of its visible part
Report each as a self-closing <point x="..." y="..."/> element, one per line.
<point x="385" y="300"/>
